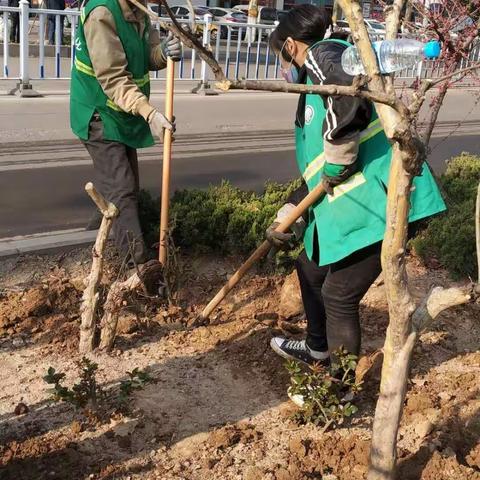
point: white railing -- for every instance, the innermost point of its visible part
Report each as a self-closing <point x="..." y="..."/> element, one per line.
<point x="240" y="55"/>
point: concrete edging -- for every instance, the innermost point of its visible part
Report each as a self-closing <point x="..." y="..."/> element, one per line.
<point x="48" y="241"/>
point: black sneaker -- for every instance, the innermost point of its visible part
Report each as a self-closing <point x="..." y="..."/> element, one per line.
<point x="298" y="350"/>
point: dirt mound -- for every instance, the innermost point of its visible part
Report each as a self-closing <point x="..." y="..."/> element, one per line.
<point x="49" y="310"/>
<point x="218" y="408"/>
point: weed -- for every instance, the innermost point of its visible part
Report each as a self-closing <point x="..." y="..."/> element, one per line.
<point x="88" y="394"/>
<point x="137" y="379"/>
<point x="85" y="393"/>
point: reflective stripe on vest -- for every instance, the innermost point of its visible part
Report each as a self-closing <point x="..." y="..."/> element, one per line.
<point x="317" y="164"/>
<point x="87" y="70"/>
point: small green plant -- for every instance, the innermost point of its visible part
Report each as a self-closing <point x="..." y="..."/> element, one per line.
<point x="85" y="393"/>
<point x="137" y="379"/>
<point x="321" y="391"/>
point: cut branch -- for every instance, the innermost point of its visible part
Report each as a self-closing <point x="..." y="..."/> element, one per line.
<point x="90" y="294"/>
<point x="438" y="300"/>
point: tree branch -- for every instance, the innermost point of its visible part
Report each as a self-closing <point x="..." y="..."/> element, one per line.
<point x="353" y="12"/>
<point x="450" y="75"/>
<point x="420" y="96"/>
<point x="355" y="90"/>
<point x="189" y="40"/>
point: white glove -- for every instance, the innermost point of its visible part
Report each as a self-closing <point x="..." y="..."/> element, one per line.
<point x="298" y="227"/>
<point x="172" y="47"/>
<point x="158" y="123"/>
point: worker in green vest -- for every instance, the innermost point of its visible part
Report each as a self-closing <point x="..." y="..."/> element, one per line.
<point x="110" y="111"/>
<point x="339" y="142"/>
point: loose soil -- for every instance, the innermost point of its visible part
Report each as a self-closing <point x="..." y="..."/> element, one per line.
<point x="218" y="407"/>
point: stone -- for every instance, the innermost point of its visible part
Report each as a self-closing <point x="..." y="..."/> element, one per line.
<point x="424" y="428"/>
<point x="126" y="324"/>
<point x="291" y="303"/>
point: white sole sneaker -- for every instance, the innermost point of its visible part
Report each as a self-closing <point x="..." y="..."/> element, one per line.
<point x="276" y="345"/>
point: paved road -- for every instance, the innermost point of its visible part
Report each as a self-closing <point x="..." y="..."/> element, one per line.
<point x="244" y="139"/>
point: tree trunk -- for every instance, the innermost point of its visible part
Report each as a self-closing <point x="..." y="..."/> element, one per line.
<point x="112" y="307"/>
<point x="399" y="340"/>
<point x="336" y="12"/>
<point x="88" y="308"/>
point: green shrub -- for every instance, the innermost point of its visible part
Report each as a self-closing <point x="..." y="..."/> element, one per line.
<point x="450" y="237"/>
<point x="221" y="218"/>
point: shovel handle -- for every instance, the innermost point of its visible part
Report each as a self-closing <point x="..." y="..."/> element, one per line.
<point x="167" y="157"/>
<point x="263" y="249"/>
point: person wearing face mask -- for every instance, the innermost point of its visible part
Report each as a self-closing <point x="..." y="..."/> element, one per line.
<point x="339" y="142"/>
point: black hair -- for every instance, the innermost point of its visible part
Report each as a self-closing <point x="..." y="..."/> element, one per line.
<point x="305" y="23"/>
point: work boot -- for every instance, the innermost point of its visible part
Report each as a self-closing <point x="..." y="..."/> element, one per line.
<point x="151" y="275"/>
<point x="298" y="350"/>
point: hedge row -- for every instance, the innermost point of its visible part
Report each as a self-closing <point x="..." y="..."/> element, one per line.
<point x="228" y="220"/>
<point x="450" y="237"/>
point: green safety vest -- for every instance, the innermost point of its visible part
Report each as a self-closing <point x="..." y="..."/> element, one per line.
<point x="354" y="216"/>
<point x="87" y="96"/>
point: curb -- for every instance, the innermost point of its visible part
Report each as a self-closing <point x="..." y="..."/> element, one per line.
<point x="41" y="242"/>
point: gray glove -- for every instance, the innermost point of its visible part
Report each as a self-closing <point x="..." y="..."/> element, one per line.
<point x="278" y="240"/>
<point x="284" y="241"/>
<point x="171" y="47"/>
<point x="158" y="123"/>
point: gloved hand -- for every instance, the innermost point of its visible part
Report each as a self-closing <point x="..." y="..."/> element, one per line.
<point x="281" y="241"/>
<point x="158" y="123"/>
<point x="285" y="241"/>
<point x="334" y="175"/>
<point x="171" y="47"/>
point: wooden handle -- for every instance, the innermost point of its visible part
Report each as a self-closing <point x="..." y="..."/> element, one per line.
<point x="167" y="156"/>
<point x="263" y="249"/>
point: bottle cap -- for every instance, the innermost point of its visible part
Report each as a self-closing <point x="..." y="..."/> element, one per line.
<point x="432" y="49"/>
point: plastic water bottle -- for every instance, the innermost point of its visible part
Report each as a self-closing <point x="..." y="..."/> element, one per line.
<point x="392" y="55"/>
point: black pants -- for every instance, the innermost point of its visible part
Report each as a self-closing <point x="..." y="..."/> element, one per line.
<point x="331" y="296"/>
<point x="116" y="178"/>
<point x="15" y="31"/>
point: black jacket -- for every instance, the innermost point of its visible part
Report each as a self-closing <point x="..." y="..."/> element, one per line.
<point x="345" y="115"/>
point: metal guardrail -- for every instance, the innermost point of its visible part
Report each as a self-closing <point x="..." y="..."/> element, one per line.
<point x="241" y="49"/>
